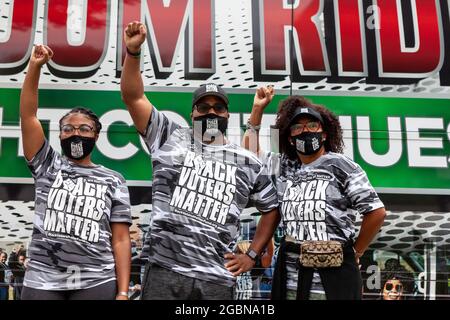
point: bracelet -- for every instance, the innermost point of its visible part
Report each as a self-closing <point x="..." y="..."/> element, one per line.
<point x="134" y="55"/>
<point x="122" y="293"/>
<point x="249" y="126"/>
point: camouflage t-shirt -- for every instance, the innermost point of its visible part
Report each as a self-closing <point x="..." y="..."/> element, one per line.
<point x="320" y="200"/>
<point x="74" y="207"/>
<point x="199" y="192"/>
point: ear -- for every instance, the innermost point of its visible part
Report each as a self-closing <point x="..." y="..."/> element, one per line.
<point x="96" y="137"/>
<point x="324" y="136"/>
<point x="290" y="141"/>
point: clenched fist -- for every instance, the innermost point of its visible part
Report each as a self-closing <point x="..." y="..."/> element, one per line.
<point x="41" y="55"/>
<point x="134" y="36"/>
<point x="263" y="96"/>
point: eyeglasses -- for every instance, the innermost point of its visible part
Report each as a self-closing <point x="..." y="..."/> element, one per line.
<point x="389" y="286"/>
<point x="312" y="126"/>
<point x="84" y="129"/>
<point x="204" y="108"/>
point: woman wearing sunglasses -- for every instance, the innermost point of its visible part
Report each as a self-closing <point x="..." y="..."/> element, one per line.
<point x="320" y="192"/>
<point x="80" y="247"/>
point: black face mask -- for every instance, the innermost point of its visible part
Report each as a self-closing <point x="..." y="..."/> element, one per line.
<point x="210" y="126"/>
<point x="77" y="147"/>
<point x="308" y="143"/>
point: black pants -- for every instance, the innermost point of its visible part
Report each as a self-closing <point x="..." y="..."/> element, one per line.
<point x="106" y="291"/>
<point x="342" y="283"/>
<point x="164" y="284"/>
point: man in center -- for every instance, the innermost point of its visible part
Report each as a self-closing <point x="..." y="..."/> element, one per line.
<point x="201" y="184"/>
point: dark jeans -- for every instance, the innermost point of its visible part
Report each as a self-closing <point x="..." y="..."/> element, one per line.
<point x="106" y="291"/>
<point x="4" y="293"/>
<point x="17" y="288"/>
<point x="163" y="284"/>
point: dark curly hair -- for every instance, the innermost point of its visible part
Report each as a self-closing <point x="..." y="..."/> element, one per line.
<point x="89" y="113"/>
<point x="331" y="125"/>
<point x="393" y="270"/>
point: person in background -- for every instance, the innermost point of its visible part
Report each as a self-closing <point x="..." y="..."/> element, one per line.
<point x="398" y="283"/>
<point x="16" y="264"/>
<point x="4" y="276"/>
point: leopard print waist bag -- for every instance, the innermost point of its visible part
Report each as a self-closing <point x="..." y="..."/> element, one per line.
<point x="321" y="254"/>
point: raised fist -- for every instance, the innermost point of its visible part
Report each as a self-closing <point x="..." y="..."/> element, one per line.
<point x="41" y="55"/>
<point x="134" y="36"/>
<point x="263" y="96"/>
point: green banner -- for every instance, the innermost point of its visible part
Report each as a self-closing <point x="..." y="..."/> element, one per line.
<point x="403" y="144"/>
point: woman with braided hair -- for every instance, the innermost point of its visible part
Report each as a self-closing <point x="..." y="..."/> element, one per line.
<point x="320" y="191"/>
<point x="80" y="247"/>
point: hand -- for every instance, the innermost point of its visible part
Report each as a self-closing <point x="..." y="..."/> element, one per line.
<point x="134" y="36"/>
<point x="18" y="248"/>
<point x="358" y="255"/>
<point x="263" y="96"/>
<point x="136" y="287"/>
<point x="41" y="55"/>
<point x="238" y="263"/>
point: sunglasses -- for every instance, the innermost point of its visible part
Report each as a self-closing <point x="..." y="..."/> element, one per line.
<point x="218" y="108"/>
<point x="390" y="286"/>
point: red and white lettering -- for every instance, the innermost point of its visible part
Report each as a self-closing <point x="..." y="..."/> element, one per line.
<point x="77" y="60"/>
<point x="165" y="25"/>
<point x="350" y="38"/>
<point x="17" y="43"/>
<point x="394" y="58"/>
<point x="200" y="59"/>
<point x="167" y="22"/>
<point x="129" y="11"/>
<point x="275" y="18"/>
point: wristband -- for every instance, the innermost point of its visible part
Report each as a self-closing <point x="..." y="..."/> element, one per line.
<point x="252" y="127"/>
<point x="253" y="255"/>
<point x="134" y="55"/>
<point x="122" y="293"/>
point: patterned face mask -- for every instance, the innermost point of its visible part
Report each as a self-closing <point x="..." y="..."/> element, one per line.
<point x="308" y="143"/>
<point x="210" y="125"/>
<point x="77" y="147"/>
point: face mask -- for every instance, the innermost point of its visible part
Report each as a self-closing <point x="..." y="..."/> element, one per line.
<point x="77" y="147"/>
<point x="210" y="126"/>
<point x="308" y="143"/>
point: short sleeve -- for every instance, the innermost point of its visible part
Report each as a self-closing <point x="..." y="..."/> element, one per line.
<point x="121" y="208"/>
<point x="42" y="160"/>
<point x="158" y="130"/>
<point x="362" y="195"/>
<point x="271" y="161"/>
<point x="264" y="196"/>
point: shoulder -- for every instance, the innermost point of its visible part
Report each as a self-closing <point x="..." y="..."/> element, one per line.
<point x="243" y="153"/>
<point x="103" y="171"/>
<point x="341" y="162"/>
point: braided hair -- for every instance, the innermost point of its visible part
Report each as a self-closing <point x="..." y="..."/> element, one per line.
<point x="89" y="113"/>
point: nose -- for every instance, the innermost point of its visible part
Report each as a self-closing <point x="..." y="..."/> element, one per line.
<point x="211" y="110"/>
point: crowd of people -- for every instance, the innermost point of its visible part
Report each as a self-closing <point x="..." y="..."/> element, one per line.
<point x="12" y="272"/>
<point x="202" y="182"/>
